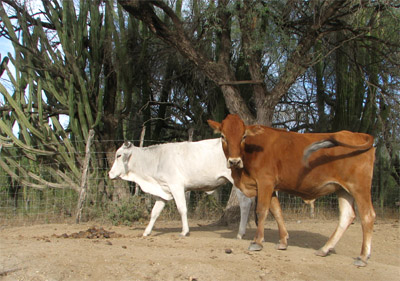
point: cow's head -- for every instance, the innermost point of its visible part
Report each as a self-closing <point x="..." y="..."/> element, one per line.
<point x="233" y="134"/>
<point x="122" y="156"/>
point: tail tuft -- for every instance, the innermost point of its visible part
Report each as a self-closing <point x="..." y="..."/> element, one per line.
<point x="316" y="146"/>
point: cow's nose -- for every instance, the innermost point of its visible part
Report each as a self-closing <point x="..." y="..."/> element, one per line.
<point x="112" y="175"/>
<point x="235" y="162"/>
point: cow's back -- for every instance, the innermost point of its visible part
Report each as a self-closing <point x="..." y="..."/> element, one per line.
<point x="279" y="154"/>
<point x="198" y="165"/>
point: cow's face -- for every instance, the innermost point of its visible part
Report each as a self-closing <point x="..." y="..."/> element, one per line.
<point x="233" y="134"/>
<point x="120" y="166"/>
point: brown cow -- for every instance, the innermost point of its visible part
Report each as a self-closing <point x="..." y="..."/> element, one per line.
<point x="264" y="159"/>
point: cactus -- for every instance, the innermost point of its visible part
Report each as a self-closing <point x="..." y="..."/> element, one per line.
<point x="68" y="66"/>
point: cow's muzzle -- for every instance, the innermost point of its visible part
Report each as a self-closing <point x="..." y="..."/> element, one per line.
<point x="235" y="162"/>
<point x="112" y="175"/>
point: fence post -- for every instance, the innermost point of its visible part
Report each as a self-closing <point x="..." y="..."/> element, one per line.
<point x="82" y="195"/>
<point x="190" y="139"/>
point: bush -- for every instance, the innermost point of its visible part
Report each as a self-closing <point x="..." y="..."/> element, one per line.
<point x="208" y="207"/>
<point x="128" y="211"/>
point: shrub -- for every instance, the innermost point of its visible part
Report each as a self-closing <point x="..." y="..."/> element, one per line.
<point x="127" y="211"/>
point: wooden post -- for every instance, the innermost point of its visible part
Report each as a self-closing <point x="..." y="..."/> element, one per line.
<point x="83" y="192"/>
<point x="140" y="145"/>
<point x="312" y="207"/>
<point x="190" y="132"/>
<point x="190" y="139"/>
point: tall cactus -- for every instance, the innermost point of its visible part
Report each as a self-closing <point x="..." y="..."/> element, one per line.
<point x="75" y="65"/>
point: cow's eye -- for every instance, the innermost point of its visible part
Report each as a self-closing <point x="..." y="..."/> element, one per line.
<point x="118" y="156"/>
<point x="223" y="138"/>
<point x="244" y="138"/>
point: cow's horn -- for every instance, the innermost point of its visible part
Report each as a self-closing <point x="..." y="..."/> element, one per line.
<point x="127" y="144"/>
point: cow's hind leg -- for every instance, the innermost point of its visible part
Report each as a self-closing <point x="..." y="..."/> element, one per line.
<point x="155" y="212"/>
<point x="347" y="215"/>
<point x="245" y="205"/>
<point x="178" y="192"/>
<point x="367" y="216"/>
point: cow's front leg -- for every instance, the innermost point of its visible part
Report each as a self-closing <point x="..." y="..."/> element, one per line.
<point x="264" y="195"/>
<point x="276" y="211"/>
<point x="178" y="192"/>
<point x="155" y="212"/>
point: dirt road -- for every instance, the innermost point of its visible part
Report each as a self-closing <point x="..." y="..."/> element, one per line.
<point x="41" y="252"/>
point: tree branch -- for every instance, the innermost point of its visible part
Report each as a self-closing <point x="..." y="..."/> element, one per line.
<point x="176" y="37"/>
<point x="32" y="21"/>
<point x="49" y="110"/>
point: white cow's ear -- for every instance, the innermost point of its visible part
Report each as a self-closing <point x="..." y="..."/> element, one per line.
<point x="126" y="155"/>
<point x="127" y="144"/>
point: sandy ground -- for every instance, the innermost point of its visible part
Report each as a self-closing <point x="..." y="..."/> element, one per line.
<point x="40" y="252"/>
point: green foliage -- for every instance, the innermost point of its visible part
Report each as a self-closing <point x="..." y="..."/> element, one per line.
<point x="208" y="207"/>
<point x="386" y="180"/>
<point x="127" y="211"/>
<point x="30" y="204"/>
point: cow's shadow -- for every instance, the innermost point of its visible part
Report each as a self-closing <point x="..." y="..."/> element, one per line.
<point x="298" y="238"/>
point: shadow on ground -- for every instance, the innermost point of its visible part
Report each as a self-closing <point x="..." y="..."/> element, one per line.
<point x="298" y="238"/>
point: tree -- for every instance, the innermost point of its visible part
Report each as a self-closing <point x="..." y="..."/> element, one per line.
<point x="275" y="43"/>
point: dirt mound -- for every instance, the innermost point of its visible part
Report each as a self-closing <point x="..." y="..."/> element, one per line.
<point x="91" y="233"/>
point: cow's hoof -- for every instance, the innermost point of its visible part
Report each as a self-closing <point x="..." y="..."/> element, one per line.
<point x="184" y="234"/>
<point x="255" y="247"/>
<point x="280" y="246"/>
<point x="359" y="262"/>
<point x="321" y="253"/>
<point x="239" y="236"/>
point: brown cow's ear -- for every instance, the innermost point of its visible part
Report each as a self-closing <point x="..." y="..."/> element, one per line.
<point x="254" y="130"/>
<point x="215" y="125"/>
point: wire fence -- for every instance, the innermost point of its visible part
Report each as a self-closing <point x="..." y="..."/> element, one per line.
<point x="118" y="202"/>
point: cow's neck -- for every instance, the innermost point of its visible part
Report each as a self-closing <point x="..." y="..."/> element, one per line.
<point x="142" y="160"/>
<point x="244" y="182"/>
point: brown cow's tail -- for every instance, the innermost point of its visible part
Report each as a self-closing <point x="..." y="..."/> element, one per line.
<point x="332" y="142"/>
<point x="316" y="146"/>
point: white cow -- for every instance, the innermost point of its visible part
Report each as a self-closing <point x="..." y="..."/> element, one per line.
<point x="167" y="171"/>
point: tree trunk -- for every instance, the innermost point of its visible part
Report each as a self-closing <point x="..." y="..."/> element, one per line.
<point x="322" y="125"/>
<point x="231" y="213"/>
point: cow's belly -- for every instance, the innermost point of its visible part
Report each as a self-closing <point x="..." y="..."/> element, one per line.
<point x="311" y="190"/>
<point x="205" y="184"/>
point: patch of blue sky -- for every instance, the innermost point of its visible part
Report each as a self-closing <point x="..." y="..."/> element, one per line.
<point x="5" y="48"/>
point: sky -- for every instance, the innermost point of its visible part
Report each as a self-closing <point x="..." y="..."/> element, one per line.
<point x="5" y="48"/>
